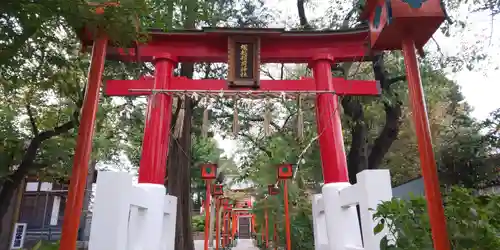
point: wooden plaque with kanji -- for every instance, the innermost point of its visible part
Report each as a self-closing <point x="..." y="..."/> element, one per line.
<point x="244" y="62"/>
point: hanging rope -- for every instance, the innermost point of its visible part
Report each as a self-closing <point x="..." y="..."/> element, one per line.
<point x="236" y="123"/>
<point x="250" y="94"/>
<point x="300" y="119"/>
<point x="267" y="118"/>
<point x="179" y="123"/>
<point x="205" y="125"/>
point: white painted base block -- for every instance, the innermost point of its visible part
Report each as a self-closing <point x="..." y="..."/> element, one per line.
<point x="131" y="217"/>
<point x="319" y="223"/>
<point x="335" y="219"/>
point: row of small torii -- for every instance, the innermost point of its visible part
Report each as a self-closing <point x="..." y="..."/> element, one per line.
<point x="229" y="214"/>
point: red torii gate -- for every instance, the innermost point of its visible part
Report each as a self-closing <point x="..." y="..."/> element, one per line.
<point x="318" y="48"/>
<point x="276" y="45"/>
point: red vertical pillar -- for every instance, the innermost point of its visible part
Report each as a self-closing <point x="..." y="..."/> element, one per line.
<point x="207" y="214"/>
<point x="331" y="143"/>
<point x="234" y="223"/>
<point x="266" y="218"/>
<point x="231" y="220"/>
<point x="288" y="232"/>
<point x="157" y="129"/>
<point x="427" y="158"/>
<point x="224" y="229"/>
<point x="275" y="233"/>
<point x="253" y="224"/>
<point x="217" y="219"/>
<point x="81" y="159"/>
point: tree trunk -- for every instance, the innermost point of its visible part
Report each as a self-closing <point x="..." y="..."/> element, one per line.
<point x="179" y="184"/>
<point x="358" y="155"/>
<point x="393" y="113"/>
<point x="179" y="172"/>
<point x="357" y="158"/>
<point x="179" y="160"/>
<point x="86" y="202"/>
<point x="11" y="215"/>
<point x="27" y="164"/>
<point x="7" y="195"/>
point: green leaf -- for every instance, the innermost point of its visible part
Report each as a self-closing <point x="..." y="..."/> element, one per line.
<point x="379" y="227"/>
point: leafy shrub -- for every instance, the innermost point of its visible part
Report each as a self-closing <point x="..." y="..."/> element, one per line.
<point x="198" y="223"/>
<point x="302" y="235"/>
<point x="473" y="222"/>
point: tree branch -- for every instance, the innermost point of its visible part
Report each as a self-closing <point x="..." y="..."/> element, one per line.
<point x="396" y="79"/>
<point x="28" y="160"/>
<point x="393" y="115"/>
<point x="346" y="67"/>
<point x="34" y="128"/>
<point x="286" y="120"/>
<point x="348" y="17"/>
<point x="388" y="135"/>
<point x="267" y="73"/>
<point x="9" y="51"/>
<point x="258" y="145"/>
<point x="302" y="15"/>
<point x="64" y="128"/>
<point x="282" y="71"/>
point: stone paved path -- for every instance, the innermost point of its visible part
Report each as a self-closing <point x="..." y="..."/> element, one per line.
<point x="243" y="244"/>
<point x="198" y="245"/>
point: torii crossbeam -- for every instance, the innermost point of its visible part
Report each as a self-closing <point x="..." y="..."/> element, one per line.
<point x="145" y="86"/>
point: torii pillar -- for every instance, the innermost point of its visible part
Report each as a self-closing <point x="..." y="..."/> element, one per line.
<point x="157" y="127"/>
<point x="333" y="158"/>
<point x="331" y="142"/>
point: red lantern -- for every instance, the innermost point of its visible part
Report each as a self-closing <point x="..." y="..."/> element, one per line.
<point x="391" y="21"/>
<point x="208" y="171"/>
<point x="272" y="190"/>
<point x="217" y="190"/>
<point x="285" y="171"/>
